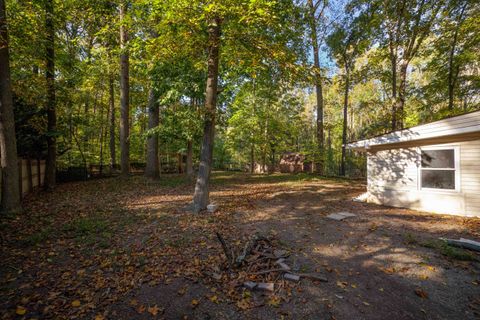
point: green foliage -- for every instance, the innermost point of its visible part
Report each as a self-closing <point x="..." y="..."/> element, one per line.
<point x="264" y="101"/>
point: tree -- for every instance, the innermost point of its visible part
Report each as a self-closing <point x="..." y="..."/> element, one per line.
<point x="346" y="42"/>
<point x="124" y="93"/>
<point x="313" y="7"/>
<point x="201" y="195"/>
<point x="404" y="25"/>
<point x="10" y="192"/>
<point x="152" y="169"/>
<point x="51" y="163"/>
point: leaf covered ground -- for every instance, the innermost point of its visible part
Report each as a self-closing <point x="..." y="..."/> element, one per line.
<point x="126" y="249"/>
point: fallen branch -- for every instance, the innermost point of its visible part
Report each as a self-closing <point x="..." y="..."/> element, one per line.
<point x="270" y="271"/>
<point x="463" y="243"/>
<point x="226" y="249"/>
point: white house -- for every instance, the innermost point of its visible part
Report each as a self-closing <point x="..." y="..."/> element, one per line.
<point x="432" y="167"/>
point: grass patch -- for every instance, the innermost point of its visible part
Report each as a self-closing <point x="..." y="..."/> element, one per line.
<point x="86" y="226"/>
<point x="409" y="239"/>
<point x="38" y="237"/>
<point x="90" y="231"/>
<point x="449" y="251"/>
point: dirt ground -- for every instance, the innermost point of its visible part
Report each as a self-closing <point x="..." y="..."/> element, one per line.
<point x="126" y="249"/>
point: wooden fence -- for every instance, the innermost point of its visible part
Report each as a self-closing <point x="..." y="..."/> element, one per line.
<point x="31" y="174"/>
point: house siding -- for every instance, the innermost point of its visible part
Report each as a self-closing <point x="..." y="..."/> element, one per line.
<point x="393" y="179"/>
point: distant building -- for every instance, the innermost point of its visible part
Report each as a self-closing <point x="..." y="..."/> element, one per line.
<point x="292" y="162"/>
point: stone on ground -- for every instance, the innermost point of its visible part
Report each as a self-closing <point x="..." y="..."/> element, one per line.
<point x="339" y="216"/>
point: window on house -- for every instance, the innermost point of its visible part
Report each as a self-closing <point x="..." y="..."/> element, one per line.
<point x="438" y="169"/>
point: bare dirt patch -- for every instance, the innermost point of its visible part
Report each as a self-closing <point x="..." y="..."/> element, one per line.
<point x="125" y="249"/>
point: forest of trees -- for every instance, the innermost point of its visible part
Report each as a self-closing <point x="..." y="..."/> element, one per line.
<point x="226" y="82"/>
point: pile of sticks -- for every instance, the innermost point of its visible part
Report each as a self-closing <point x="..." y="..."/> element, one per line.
<point x="261" y="265"/>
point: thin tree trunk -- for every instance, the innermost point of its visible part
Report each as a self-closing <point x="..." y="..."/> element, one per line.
<point x="124" y="95"/>
<point x="189" y="163"/>
<point x="318" y="87"/>
<point x="393" y="66"/>
<point x="112" y="124"/>
<point x="50" y="170"/>
<point x="252" y="157"/>
<point x="9" y="189"/>
<point x="152" y="169"/>
<point x="451" y="63"/>
<point x="402" y="96"/>
<point x="201" y="196"/>
<point x="345" y="119"/>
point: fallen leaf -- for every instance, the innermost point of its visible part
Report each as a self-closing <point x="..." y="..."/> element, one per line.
<point x="141" y="309"/>
<point x="421" y="293"/>
<point x="274" y="301"/>
<point x="243" y="304"/>
<point x="20" y="310"/>
<point x="195" y="303"/>
<point x="133" y="302"/>
<point x="214" y="299"/>
<point x="76" y="303"/>
<point x="153" y="310"/>
<point x="99" y="317"/>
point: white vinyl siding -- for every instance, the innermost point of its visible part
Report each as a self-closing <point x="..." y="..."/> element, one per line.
<point x="394" y="179"/>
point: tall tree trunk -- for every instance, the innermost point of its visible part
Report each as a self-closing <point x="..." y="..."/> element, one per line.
<point x="50" y="170"/>
<point x="112" y="123"/>
<point x="152" y="169"/>
<point x="452" y="78"/>
<point x="345" y="119"/>
<point x="124" y="95"/>
<point x="189" y="164"/>
<point x="318" y="87"/>
<point x="201" y="196"/>
<point x="402" y="93"/>
<point x="10" y="195"/>
<point x="252" y="157"/>
<point x="102" y="130"/>
<point x="393" y="66"/>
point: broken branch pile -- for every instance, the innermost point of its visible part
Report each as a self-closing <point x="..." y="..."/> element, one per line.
<point x="260" y="265"/>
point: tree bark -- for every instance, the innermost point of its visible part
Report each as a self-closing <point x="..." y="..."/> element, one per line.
<point x="50" y="170"/>
<point x="10" y="195"/>
<point x="393" y="66"/>
<point x="402" y="96"/>
<point x="318" y="88"/>
<point x="201" y="195"/>
<point x="124" y="95"/>
<point x="112" y="124"/>
<point x="252" y="158"/>
<point x="189" y="164"/>
<point x="452" y="78"/>
<point x="345" y="119"/>
<point x="152" y="169"/>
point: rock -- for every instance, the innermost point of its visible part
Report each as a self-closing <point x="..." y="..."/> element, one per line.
<point x="283" y="265"/>
<point x="212" y="207"/>
<point x="250" y="285"/>
<point x="266" y="286"/>
<point x="216" y="276"/>
<point x="291" y="277"/>
<point x="280" y="253"/>
<point x="339" y="216"/>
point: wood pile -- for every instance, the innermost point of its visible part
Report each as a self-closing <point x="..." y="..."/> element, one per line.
<point x="260" y="265"/>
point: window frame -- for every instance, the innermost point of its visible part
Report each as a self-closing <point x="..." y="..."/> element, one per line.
<point x="456" y="169"/>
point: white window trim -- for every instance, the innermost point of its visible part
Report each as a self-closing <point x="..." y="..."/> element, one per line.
<point x="456" y="154"/>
